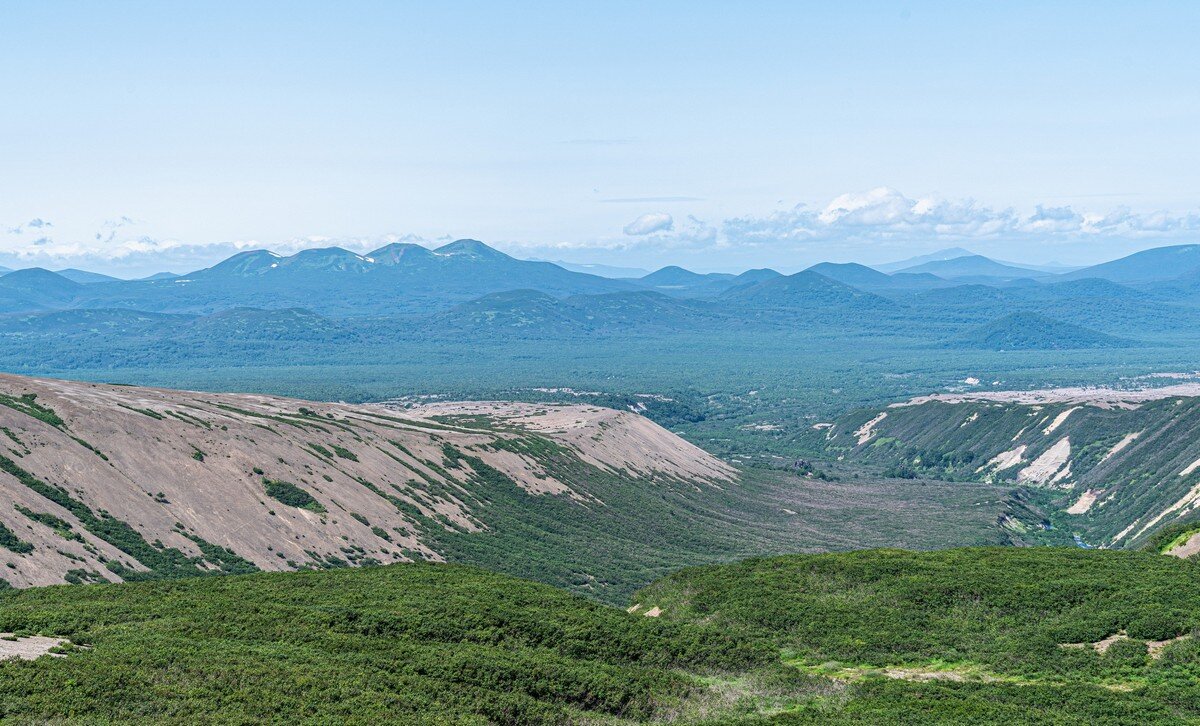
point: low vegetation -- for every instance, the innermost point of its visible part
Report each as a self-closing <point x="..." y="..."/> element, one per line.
<point x="291" y="495"/>
<point x="400" y="644"/>
<point x="988" y="635"/>
<point x="976" y="635"/>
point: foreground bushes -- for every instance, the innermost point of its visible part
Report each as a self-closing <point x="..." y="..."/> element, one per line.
<point x="401" y="644"/>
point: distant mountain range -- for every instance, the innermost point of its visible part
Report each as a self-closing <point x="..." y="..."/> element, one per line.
<point x="1154" y="265"/>
<point x="939" y="256"/>
<point x="467" y="289"/>
<point x="958" y="252"/>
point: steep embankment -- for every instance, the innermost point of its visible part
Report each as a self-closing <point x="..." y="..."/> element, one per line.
<point x="1115" y="465"/>
<point x="109" y="482"/>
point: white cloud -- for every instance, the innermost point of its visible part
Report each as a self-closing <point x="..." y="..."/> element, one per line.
<point x="881" y="224"/>
<point x="885" y="217"/>
<point x="108" y="230"/>
<point x="649" y="224"/>
<point x="35" y="223"/>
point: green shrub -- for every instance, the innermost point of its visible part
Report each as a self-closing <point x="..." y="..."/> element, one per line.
<point x="291" y="495"/>
<point x="10" y="541"/>
<point x="1157" y="623"/>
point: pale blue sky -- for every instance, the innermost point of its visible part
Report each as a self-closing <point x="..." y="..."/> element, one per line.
<point x="210" y="125"/>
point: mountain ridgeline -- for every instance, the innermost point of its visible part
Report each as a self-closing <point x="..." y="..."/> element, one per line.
<point x="466" y="287"/>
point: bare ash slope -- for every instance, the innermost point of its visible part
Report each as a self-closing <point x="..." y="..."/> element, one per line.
<point x="108" y="482"/>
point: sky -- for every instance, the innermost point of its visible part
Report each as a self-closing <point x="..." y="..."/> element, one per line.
<point x="142" y="136"/>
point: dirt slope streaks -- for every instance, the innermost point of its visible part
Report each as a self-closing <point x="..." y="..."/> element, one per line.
<point x="106" y="482"/>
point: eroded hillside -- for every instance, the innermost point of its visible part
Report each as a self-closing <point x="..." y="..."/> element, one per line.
<point x="110" y="482"/>
<point x="1116" y="466"/>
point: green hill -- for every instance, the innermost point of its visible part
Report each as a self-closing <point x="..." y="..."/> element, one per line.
<point x="973" y="266"/>
<point x="1152" y="265"/>
<point x="1031" y="331"/>
<point x="807" y="293"/>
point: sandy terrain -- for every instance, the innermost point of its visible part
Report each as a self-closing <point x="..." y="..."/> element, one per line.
<point x="30" y="647"/>
<point x="1101" y="397"/>
<point x="1120" y="446"/>
<point x="1085" y="502"/>
<point x="1191" y="498"/>
<point x="1004" y="460"/>
<point x="1058" y="421"/>
<point x="605" y="437"/>
<point x="1048" y="468"/>
<point x="867" y="430"/>
<point x="1187" y="549"/>
<point x="176" y="463"/>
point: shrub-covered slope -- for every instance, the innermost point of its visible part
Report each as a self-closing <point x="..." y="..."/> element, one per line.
<point x="989" y="635"/>
<point x="1018" y="635"/>
<point x="1114" y="470"/>
<point x="404" y="644"/>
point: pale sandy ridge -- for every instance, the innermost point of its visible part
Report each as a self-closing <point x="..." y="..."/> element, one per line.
<point x="1085" y="502"/>
<point x="867" y="430"/>
<point x="1188" y="548"/>
<point x="1120" y="446"/>
<point x="1091" y="396"/>
<point x="607" y="438"/>
<point x="1004" y="460"/>
<point x="179" y="464"/>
